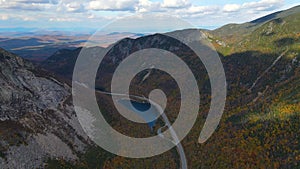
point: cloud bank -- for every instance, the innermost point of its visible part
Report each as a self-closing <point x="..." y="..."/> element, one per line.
<point x="88" y="11"/>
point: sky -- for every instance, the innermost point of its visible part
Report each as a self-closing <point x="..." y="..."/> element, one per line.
<point x="79" y="15"/>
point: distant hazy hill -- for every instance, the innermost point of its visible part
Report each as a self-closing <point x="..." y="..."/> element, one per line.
<point x="38" y="48"/>
<point x="39" y="45"/>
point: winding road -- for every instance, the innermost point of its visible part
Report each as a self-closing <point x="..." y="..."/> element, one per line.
<point x="175" y="140"/>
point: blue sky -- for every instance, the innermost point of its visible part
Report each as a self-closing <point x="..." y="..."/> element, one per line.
<point x="78" y="15"/>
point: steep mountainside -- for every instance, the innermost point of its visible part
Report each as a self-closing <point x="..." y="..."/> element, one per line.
<point x="234" y="30"/>
<point x="272" y="33"/>
<point x="62" y="62"/>
<point x="37" y="121"/>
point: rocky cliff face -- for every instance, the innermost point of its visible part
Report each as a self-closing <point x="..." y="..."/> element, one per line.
<point x="37" y="120"/>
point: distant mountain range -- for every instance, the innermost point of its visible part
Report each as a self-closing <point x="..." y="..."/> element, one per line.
<point x="23" y="30"/>
<point x="39" y="45"/>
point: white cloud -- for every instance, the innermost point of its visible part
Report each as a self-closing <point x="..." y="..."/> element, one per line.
<point x="91" y="16"/>
<point x="74" y="7"/>
<point x="148" y="6"/>
<point x="4" y="17"/>
<point x="263" y="5"/>
<point x="31" y="5"/>
<point x="113" y="5"/>
<point x="175" y="3"/>
<point x="202" y="9"/>
<point x="27" y="18"/>
<point x="252" y="7"/>
<point x="18" y="16"/>
<point x="231" y="8"/>
<point x="170" y="6"/>
<point x="30" y="1"/>
<point x="68" y="19"/>
<point x="87" y="11"/>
